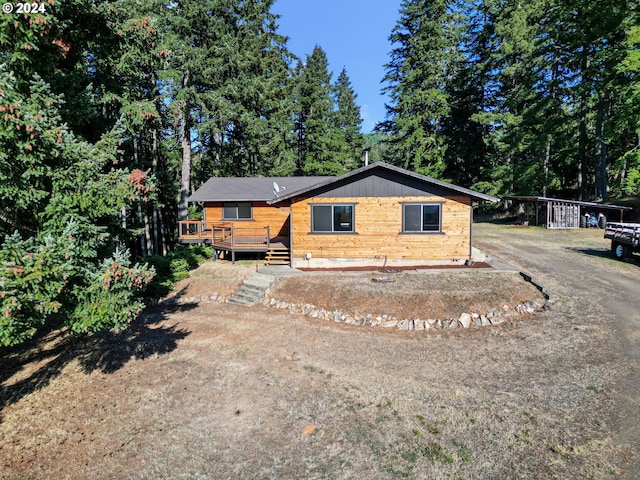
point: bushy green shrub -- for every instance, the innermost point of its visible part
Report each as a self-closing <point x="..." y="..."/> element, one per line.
<point x="32" y="276"/>
<point x="39" y="277"/>
<point x="110" y="299"/>
<point x="174" y="267"/>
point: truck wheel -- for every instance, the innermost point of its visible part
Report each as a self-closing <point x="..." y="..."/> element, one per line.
<point x="620" y="250"/>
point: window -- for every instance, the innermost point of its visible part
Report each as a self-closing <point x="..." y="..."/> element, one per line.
<point x="419" y="217"/>
<point x="332" y="218"/>
<point x="237" y="211"/>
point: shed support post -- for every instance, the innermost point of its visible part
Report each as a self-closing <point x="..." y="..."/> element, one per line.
<point x="470" y="232"/>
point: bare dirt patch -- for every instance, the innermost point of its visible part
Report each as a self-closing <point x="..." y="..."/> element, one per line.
<point x="227" y="392"/>
<point x="425" y="294"/>
<point x="215" y="277"/>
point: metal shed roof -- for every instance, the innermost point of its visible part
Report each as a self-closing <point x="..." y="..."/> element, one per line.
<point x="599" y="206"/>
<point x="531" y="198"/>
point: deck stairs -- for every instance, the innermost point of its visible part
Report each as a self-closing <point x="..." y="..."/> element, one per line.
<point x="278" y="255"/>
<point x="255" y="286"/>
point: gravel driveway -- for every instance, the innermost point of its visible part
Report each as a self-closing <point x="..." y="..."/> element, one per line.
<point x="577" y="266"/>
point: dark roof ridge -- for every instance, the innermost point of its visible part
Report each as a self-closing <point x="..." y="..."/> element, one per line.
<point x="388" y="166"/>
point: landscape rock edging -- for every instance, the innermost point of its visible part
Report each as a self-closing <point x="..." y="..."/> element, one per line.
<point x="494" y="316"/>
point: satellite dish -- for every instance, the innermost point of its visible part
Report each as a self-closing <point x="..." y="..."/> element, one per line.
<point x="277" y="188"/>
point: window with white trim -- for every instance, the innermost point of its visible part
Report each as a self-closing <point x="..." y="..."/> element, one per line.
<point x="421" y="217"/>
<point x="237" y="211"/>
<point x="327" y="218"/>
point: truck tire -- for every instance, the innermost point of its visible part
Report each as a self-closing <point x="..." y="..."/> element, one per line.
<point x="620" y="250"/>
<point x="602" y="222"/>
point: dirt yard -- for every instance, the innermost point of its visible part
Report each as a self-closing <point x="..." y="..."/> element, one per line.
<point x="228" y="392"/>
<point x="423" y="294"/>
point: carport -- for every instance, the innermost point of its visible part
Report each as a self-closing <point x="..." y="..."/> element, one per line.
<point x="561" y="213"/>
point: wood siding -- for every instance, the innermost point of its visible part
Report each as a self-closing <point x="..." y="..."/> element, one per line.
<point x="378" y="230"/>
<point x="264" y="215"/>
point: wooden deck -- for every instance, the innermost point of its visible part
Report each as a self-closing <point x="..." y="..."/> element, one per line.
<point x="226" y="237"/>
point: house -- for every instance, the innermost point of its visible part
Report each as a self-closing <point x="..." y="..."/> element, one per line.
<point x="377" y="215"/>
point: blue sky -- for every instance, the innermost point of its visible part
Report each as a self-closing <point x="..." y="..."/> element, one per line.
<point x="354" y="34"/>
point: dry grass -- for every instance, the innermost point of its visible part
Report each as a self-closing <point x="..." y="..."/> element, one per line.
<point x="225" y="392"/>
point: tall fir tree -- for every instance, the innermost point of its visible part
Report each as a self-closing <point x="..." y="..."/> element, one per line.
<point x="626" y="121"/>
<point x="348" y="141"/>
<point x="424" y="52"/>
<point x="314" y="116"/>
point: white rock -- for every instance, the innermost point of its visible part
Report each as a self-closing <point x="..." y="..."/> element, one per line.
<point x="464" y="320"/>
<point x="389" y="324"/>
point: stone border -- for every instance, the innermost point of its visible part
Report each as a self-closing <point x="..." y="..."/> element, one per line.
<point x="494" y="316"/>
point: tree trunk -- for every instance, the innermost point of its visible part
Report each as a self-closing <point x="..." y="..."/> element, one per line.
<point x="156" y="234"/>
<point x="143" y="244"/>
<point x="154" y="166"/>
<point x="582" y="136"/>
<point x="185" y="139"/>
<point x="545" y="167"/>
<point x="600" y="158"/>
<point x="123" y="224"/>
<point x="147" y="229"/>
<point x="582" y="155"/>
<point x="163" y="234"/>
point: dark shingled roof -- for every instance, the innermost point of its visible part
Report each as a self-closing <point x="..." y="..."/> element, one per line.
<point x="382" y="165"/>
<point x="252" y="189"/>
<point x="249" y="189"/>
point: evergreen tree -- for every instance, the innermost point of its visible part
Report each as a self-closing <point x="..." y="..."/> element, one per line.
<point x="626" y="120"/>
<point x="424" y="52"/>
<point x="60" y="256"/>
<point x="256" y="136"/>
<point x="227" y="80"/>
<point x="466" y="158"/>
<point x="514" y="61"/>
<point x="314" y="117"/>
<point x="30" y="152"/>
<point x="348" y="142"/>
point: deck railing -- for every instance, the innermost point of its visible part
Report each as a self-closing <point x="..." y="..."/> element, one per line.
<point x="194" y="230"/>
<point x="224" y="234"/>
<point x="240" y="237"/>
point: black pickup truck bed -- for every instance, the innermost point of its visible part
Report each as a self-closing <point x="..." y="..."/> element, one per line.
<point x="625" y="238"/>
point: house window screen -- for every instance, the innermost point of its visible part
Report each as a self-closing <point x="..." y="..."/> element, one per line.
<point x="421" y="218"/>
<point x="332" y="218"/>
<point x="237" y="211"/>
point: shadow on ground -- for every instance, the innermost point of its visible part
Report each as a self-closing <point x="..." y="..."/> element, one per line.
<point x="48" y="353"/>
<point x="603" y="253"/>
